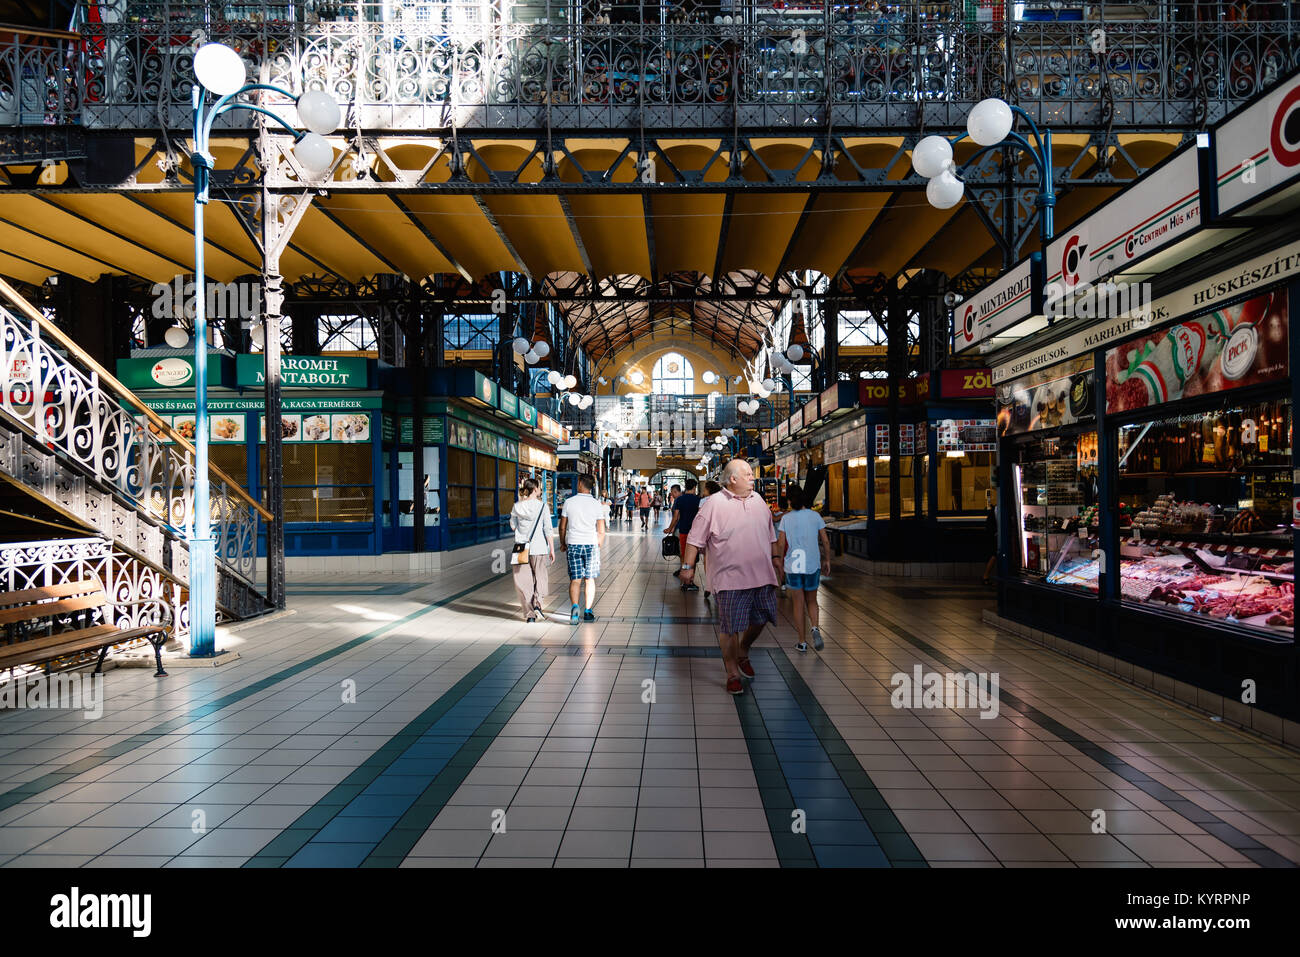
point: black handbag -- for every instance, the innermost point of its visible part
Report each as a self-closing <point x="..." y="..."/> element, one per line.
<point x="671" y="547"/>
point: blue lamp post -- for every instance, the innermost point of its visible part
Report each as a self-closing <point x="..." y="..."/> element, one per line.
<point x="989" y="125"/>
<point x="220" y="71"/>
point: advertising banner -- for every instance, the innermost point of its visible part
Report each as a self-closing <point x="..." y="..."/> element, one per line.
<point x="1051" y="397"/>
<point x="1236" y="346"/>
<point x="906" y="439"/>
<point x="875" y="392"/>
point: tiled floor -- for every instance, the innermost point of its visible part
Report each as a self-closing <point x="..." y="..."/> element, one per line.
<point x="401" y="722"/>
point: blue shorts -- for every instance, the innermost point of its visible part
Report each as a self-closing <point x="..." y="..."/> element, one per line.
<point x="584" y="561"/>
<point x="808" y="581"/>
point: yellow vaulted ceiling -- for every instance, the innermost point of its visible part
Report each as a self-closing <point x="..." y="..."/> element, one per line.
<point x="404" y="223"/>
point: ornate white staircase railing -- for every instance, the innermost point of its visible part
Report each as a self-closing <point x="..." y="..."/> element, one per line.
<point x="77" y="440"/>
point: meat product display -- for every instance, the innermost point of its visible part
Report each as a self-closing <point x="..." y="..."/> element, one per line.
<point x="1241" y="596"/>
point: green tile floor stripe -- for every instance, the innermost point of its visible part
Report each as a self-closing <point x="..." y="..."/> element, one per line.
<point x="894" y="840"/>
<point x="314" y="819"/>
<point x="392" y="850"/>
<point x="63" y="774"/>
<point x="792" y="850"/>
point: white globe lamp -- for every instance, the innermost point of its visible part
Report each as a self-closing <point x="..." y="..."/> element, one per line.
<point x="176" y="337"/>
<point x="542" y="348"/>
<point x="945" y="191"/>
<point x="314" y="152"/>
<point x="219" y="69"/>
<point x="989" y="122"/>
<point x="931" y="156"/>
<point x="319" y="112"/>
<point x="553" y="377"/>
<point x="520" y="345"/>
<point x="795" y="352"/>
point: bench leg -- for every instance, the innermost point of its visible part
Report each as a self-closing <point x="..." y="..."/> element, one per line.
<point x="99" y="665"/>
<point x="157" y="655"/>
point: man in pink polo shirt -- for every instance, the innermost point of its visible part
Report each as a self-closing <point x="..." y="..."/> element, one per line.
<point x="735" y="527"/>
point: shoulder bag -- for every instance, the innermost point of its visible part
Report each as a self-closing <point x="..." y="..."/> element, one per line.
<point x="519" y="556"/>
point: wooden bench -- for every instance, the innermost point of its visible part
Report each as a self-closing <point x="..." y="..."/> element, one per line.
<point x="53" y="606"/>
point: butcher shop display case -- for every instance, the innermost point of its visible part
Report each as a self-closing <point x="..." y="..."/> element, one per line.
<point x="1056" y="515"/>
<point x="1205" y="515"/>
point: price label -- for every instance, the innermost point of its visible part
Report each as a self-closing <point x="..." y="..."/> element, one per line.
<point x="1083" y="531"/>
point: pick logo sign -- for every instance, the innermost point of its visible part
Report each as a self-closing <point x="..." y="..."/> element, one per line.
<point x="968" y="323"/>
<point x="171" y="372"/>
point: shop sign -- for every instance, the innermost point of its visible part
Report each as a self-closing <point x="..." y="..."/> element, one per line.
<point x="998" y="306"/>
<point x="808" y="413"/>
<point x="305" y="372"/>
<point x="1237" y="346"/>
<point x="527" y="414"/>
<point x="1156" y="211"/>
<point x="1254" y="274"/>
<point x="1259" y="148"/>
<point x="783" y="431"/>
<point x="508" y="403"/>
<point x="966" y="435"/>
<point x="966" y="383"/>
<point x="167" y="372"/>
<point x="1048" y="398"/>
<point x="257" y="403"/>
<point x="875" y="392"/>
<point x="485" y="390"/>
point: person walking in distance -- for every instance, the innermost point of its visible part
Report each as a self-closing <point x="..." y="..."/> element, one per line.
<point x="643" y="504"/>
<point x="531" y="521"/>
<point x="710" y="488"/>
<point x="673" y="493"/>
<point x="735" y="525"/>
<point x="656" y="503"/>
<point x="685" y="507"/>
<point x="582" y="532"/>
<point x="806" y="548"/>
<point x="630" y="504"/>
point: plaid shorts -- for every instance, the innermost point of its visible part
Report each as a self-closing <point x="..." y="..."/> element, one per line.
<point x="584" y="561"/>
<point x="738" y="610"/>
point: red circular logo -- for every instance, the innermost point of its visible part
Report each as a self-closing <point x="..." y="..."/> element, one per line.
<point x="1284" y="138"/>
<point x="1072" y="260"/>
<point x="968" y="324"/>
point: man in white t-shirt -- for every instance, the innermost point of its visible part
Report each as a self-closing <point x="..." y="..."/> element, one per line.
<point x="582" y="531"/>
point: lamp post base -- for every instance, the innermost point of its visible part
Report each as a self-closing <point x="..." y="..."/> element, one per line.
<point x="203" y="598"/>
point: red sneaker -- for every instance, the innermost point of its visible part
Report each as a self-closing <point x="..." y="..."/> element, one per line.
<point x="746" y="668"/>
<point x="735" y="686"/>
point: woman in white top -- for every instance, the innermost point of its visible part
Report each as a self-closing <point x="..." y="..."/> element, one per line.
<point x="531" y="522"/>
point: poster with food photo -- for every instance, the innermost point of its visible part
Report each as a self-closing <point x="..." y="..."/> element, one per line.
<point x="1235" y="346"/>
<point x="1061" y="395"/>
<point x="315" y="428"/>
<point x="351" y="427"/>
<point x="184" y="426"/>
<point x="226" y="428"/>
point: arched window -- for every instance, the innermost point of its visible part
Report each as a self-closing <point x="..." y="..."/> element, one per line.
<point x="673" y="375"/>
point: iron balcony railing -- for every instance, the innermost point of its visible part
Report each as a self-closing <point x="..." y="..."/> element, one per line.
<point x="131" y="67"/>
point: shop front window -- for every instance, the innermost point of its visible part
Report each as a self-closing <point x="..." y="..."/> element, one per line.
<point x="327" y="482"/>
<point x="506" y="486"/>
<point x="857" y="482"/>
<point x="1055" y="482"/>
<point x="907" y="480"/>
<point x="460" y="484"/>
<point x="486" y="496"/>
<point x="1205" y="515"/>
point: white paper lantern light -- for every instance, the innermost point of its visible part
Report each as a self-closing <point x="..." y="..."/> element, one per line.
<point x="989" y="121"/>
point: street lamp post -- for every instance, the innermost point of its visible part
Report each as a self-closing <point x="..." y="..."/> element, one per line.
<point x="989" y="125"/>
<point x="220" y="70"/>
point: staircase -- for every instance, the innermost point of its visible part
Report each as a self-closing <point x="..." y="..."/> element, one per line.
<point x="79" y="453"/>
